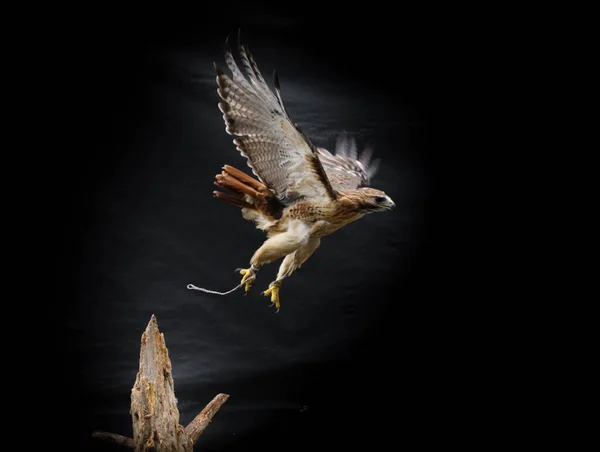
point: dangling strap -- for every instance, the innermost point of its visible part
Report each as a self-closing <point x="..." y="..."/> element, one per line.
<point x="252" y="278"/>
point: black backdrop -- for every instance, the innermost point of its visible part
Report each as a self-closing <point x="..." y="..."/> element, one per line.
<point x="368" y="345"/>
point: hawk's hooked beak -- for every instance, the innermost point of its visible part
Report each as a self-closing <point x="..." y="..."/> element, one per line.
<point x="388" y="203"/>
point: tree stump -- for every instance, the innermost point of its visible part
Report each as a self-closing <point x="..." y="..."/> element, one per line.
<point x="154" y="412"/>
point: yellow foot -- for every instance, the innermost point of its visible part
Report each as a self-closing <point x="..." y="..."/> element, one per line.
<point x="249" y="277"/>
<point x="273" y="290"/>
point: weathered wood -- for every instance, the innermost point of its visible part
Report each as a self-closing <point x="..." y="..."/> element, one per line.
<point x="200" y="422"/>
<point x="115" y="439"/>
<point x="154" y="412"/>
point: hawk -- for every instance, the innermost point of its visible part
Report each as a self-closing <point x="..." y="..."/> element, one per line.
<point x="302" y="192"/>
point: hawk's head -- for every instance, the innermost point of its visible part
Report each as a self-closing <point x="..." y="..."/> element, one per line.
<point x="372" y="200"/>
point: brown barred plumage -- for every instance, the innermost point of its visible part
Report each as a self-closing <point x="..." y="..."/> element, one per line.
<point x="303" y="193"/>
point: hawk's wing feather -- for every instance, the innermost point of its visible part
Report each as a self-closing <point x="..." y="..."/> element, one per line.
<point x="279" y="154"/>
<point x="346" y="169"/>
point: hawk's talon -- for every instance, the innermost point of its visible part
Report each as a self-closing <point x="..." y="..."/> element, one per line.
<point x="273" y="290"/>
<point x="249" y="276"/>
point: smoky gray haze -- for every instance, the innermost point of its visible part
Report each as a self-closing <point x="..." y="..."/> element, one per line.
<point x="146" y="226"/>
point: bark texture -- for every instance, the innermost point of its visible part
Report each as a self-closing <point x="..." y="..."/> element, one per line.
<point x="154" y="412"/>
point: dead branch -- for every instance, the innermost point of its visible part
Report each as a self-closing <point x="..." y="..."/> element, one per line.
<point x="115" y="439"/>
<point x="201" y="421"/>
<point x="154" y="412"/>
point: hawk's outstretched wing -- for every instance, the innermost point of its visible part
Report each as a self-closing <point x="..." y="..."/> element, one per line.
<point x="346" y="169"/>
<point x="277" y="151"/>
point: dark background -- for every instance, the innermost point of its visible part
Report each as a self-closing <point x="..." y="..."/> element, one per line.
<point x="373" y="342"/>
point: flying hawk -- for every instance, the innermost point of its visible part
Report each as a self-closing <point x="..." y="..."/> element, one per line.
<point x="303" y="192"/>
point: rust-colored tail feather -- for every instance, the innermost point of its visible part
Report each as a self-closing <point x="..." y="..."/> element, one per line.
<point x="244" y="178"/>
<point x="232" y="199"/>
<point x="246" y="192"/>
<point x="228" y="182"/>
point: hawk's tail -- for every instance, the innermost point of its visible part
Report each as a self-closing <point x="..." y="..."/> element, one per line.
<point x="247" y="192"/>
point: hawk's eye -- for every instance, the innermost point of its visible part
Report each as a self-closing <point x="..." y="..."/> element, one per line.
<point x="379" y="199"/>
